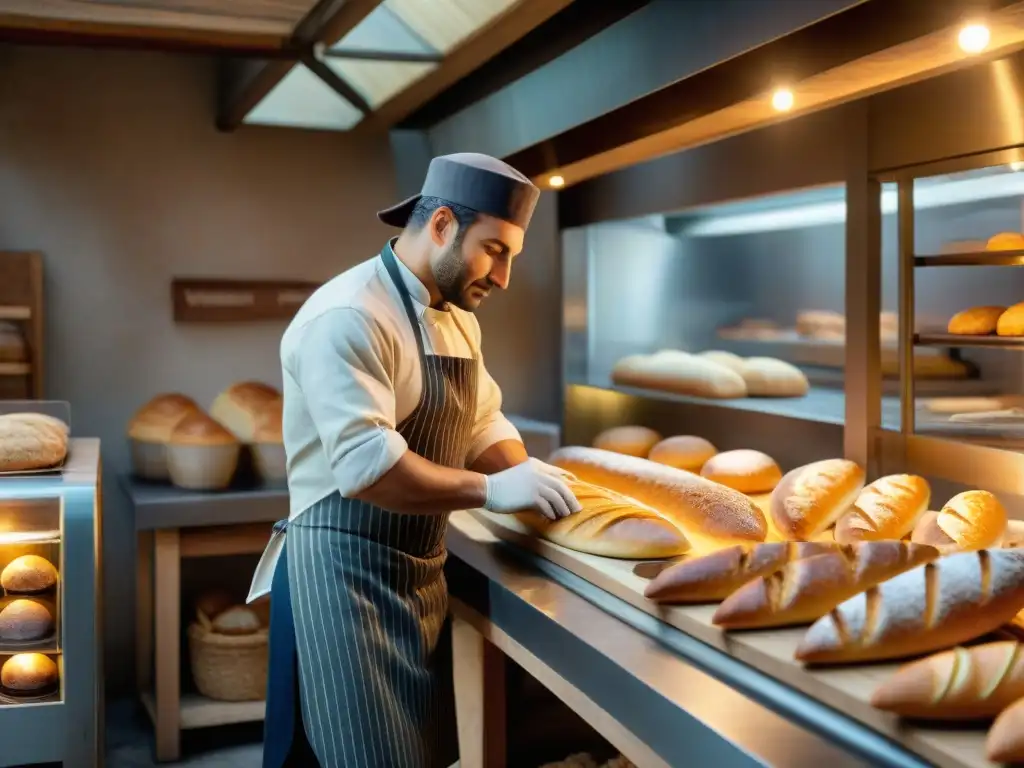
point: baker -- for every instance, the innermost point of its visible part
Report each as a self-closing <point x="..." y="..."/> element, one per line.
<point x="391" y="422"/>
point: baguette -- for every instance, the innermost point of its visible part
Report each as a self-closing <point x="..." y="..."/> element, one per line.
<point x="611" y="525"/>
<point x="886" y="509"/>
<point x="938" y="605"/>
<point x="806" y="590"/>
<point x="959" y="684"/>
<point x="695" y="504"/>
<point x="1005" y="742"/>
<point x="969" y="521"/>
<point x="809" y="499"/>
<point x="714" y="577"/>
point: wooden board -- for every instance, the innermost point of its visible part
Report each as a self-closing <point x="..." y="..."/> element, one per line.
<point x="846" y="689"/>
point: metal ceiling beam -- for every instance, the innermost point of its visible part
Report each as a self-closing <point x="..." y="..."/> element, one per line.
<point x="246" y="84"/>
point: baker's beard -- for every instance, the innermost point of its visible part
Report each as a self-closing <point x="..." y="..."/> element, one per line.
<point x="450" y="278"/>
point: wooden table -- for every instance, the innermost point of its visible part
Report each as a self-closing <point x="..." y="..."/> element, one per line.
<point x="171" y="525"/>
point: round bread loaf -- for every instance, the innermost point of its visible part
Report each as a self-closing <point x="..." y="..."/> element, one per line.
<point x="199" y="429"/>
<point x="1011" y="322"/>
<point x="237" y="620"/>
<point x="697" y="505"/>
<point x="680" y="373"/>
<point x="28" y="673"/>
<point x="632" y="441"/>
<point x="154" y="421"/>
<point x="976" y="321"/>
<point x="888" y="508"/>
<point x="212" y="604"/>
<point x="1005" y="241"/>
<point x="31" y="441"/>
<point x="683" y="452"/>
<point x="811" y="498"/>
<point x="728" y="359"/>
<point x="242" y="408"/>
<point x="745" y="471"/>
<point x="973" y="519"/>
<point x="25" y="620"/>
<point x="768" y="377"/>
<point x="27" y="575"/>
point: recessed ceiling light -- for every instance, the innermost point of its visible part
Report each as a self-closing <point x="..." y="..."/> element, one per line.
<point x="974" y="38"/>
<point x="556" y="181"/>
<point x="782" y="100"/>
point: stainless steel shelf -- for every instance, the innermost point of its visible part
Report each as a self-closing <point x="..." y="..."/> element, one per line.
<point x="954" y="340"/>
<point x="972" y="259"/>
<point x="163" y="506"/>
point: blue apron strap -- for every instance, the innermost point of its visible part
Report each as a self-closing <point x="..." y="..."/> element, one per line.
<point x="390" y="263"/>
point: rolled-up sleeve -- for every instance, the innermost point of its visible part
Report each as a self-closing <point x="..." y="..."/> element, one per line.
<point x="490" y="426"/>
<point x="345" y="368"/>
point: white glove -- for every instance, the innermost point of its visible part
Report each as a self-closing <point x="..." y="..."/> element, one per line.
<point x="532" y="485"/>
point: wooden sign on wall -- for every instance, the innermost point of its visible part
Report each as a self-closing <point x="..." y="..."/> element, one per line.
<point x="205" y="300"/>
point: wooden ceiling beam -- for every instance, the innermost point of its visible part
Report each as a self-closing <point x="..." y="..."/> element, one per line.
<point x="246" y="84"/>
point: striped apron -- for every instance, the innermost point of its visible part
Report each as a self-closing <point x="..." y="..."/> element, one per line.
<point x="360" y="666"/>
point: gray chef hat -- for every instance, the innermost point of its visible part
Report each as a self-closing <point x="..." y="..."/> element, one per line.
<point x="480" y="182"/>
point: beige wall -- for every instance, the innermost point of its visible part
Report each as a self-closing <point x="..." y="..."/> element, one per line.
<point x="110" y="165"/>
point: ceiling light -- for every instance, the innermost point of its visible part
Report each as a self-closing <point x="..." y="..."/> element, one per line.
<point x="782" y="100"/>
<point x="556" y="182"/>
<point x="973" y="38"/>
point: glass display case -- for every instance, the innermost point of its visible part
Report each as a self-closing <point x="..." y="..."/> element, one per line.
<point x="50" y="651"/>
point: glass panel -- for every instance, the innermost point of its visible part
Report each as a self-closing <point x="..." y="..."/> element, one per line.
<point x="385" y="32"/>
<point x="303" y="100"/>
<point x="378" y="81"/>
<point x="445" y="24"/>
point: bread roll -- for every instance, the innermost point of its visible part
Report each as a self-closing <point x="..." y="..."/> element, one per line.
<point x="683" y="452"/>
<point x="199" y="429"/>
<point x="1005" y="742"/>
<point x="31" y="441"/>
<point x="888" y="508"/>
<point x="237" y="620"/>
<point x="728" y="359"/>
<point x="809" y="499"/>
<point x="632" y="441"/>
<point x="240" y="406"/>
<point x="768" y="377"/>
<point x="28" y="673"/>
<point x="212" y="604"/>
<point x="743" y="470"/>
<point x="611" y="525"/>
<point x="939" y="605"/>
<point x="696" y="504"/>
<point x="679" y="373"/>
<point x="959" y="684"/>
<point x="806" y="590"/>
<point x="972" y="520"/>
<point x="25" y="620"/>
<point x="28" y="575"/>
<point x="714" y="577"/>
<point x="154" y="421"/>
<point x="1005" y="241"/>
<point x="1011" y="322"/>
<point x="976" y="321"/>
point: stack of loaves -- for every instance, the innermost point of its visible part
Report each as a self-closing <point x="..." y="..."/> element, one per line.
<point x="712" y="374"/>
<point x="988" y="320"/>
<point x="31" y="442"/>
<point x="172" y="438"/>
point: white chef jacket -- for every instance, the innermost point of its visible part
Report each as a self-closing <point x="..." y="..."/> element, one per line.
<point x="352" y="373"/>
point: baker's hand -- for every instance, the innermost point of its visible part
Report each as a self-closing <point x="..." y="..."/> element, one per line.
<point x="532" y="485"/>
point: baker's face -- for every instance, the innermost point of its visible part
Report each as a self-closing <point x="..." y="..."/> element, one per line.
<point x="468" y="264"/>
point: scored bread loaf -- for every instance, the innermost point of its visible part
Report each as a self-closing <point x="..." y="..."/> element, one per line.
<point x="809" y="499"/>
<point x="683" y="452"/>
<point x="697" y="505"/>
<point x="714" y="577"/>
<point x="745" y="471"/>
<point x="768" y="377"/>
<point x="612" y="525"/>
<point x="805" y="590"/>
<point x="958" y="684"/>
<point x="1005" y="741"/>
<point x="939" y="605"/>
<point x="680" y="373"/>
<point x="976" y="321"/>
<point x="888" y="508"/>
<point x="239" y="408"/>
<point x="631" y="440"/>
<point x="970" y="520"/>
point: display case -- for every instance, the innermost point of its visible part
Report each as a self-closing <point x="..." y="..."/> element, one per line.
<point x="50" y="649"/>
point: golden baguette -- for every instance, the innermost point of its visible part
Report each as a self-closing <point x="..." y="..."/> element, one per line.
<point x="612" y="525"/>
<point x="1005" y="742"/>
<point x="806" y="590"/>
<point x="959" y="684"/>
<point x="935" y="606"/>
<point x="714" y="577"/>
<point x="697" y="505"/>
<point x="886" y="509"/>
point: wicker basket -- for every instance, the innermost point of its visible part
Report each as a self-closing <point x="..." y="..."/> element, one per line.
<point x="229" y="667"/>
